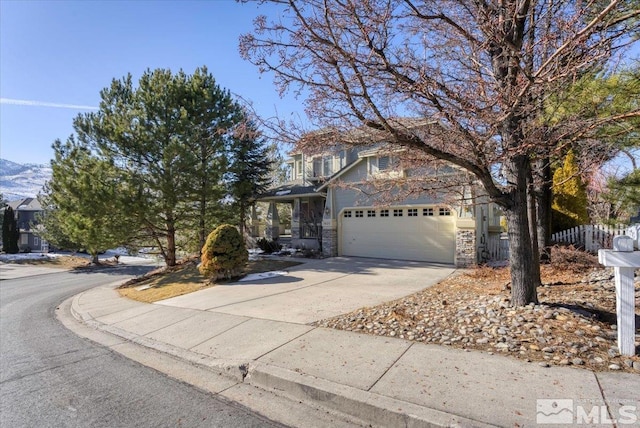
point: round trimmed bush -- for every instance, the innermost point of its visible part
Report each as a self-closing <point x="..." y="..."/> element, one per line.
<point x="224" y="255"/>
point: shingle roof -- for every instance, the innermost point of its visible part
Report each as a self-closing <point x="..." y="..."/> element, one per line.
<point x="289" y="189"/>
<point x="27" y="204"/>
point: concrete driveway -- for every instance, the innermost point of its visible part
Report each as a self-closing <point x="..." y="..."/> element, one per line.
<point x="317" y="289"/>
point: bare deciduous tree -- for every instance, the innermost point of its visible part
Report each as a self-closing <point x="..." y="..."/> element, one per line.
<point x="474" y="72"/>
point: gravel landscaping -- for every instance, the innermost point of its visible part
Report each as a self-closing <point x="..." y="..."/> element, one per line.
<point x="574" y="324"/>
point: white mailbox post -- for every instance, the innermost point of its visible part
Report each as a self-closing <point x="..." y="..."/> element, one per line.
<point x="624" y="261"/>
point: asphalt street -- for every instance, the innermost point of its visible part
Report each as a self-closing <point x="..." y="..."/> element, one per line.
<point x="49" y="377"/>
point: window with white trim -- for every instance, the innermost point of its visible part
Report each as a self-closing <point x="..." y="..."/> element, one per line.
<point x="379" y="163"/>
<point x="444" y="211"/>
<point x="347" y="213"/>
<point x="36" y="241"/>
<point x="371" y="213"/>
<point x="299" y="173"/>
<point x="384" y="213"/>
<point x="427" y="212"/>
<point x="383" y="163"/>
<point x="327" y="166"/>
<point x="412" y="212"/>
<point x="398" y="212"/>
<point x="24" y="239"/>
<point x="359" y="213"/>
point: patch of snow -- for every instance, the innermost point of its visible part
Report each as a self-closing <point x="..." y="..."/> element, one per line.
<point x="7" y="258"/>
<point x="263" y="275"/>
<point x="283" y="192"/>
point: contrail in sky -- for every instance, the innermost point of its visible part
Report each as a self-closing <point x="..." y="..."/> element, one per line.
<point x="44" y="104"/>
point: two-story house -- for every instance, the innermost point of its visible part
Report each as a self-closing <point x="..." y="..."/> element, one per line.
<point x="331" y="212"/>
<point x="26" y="210"/>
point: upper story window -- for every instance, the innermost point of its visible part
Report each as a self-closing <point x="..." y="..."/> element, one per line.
<point x="383" y="163"/>
<point x="379" y="164"/>
<point x="299" y="169"/>
<point x="327" y="166"/>
<point x="317" y="167"/>
<point x="323" y="166"/>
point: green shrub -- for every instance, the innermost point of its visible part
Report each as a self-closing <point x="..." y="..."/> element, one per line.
<point x="224" y="255"/>
<point x="268" y="246"/>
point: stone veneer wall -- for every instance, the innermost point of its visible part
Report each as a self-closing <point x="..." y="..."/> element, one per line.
<point x="295" y="231"/>
<point x="329" y="242"/>
<point x="466" y="254"/>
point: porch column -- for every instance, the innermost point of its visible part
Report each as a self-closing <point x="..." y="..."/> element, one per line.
<point x="295" y="220"/>
<point x="255" y="222"/>
<point x="466" y="250"/>
<point x="273" y="222"/>
<point x="329" y="227"/>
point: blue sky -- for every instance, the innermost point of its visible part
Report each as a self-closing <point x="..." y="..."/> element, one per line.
<point x="65" y="52"/>
<point x="62" y="53"/>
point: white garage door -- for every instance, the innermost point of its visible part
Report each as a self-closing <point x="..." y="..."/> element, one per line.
<point x="423" y="233"/>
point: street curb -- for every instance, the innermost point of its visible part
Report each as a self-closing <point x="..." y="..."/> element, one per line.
<point x="371" y="407"/>
<point x="234" y="369"/>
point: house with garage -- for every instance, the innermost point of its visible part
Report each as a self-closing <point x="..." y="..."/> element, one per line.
<point x="26" y="211"/>
<point x="334" y="210"/>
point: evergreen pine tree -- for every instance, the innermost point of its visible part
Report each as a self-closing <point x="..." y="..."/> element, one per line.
<point x="251" y="169"/>
<point x="84" y="192"/>
<point x="10" y="232"/>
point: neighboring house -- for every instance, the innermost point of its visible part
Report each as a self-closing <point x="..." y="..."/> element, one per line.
<point x="330" y="213"/>
<point x="26" y="210"/>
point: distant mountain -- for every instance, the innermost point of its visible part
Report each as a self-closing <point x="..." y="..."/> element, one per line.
<point x="22" y="180"/>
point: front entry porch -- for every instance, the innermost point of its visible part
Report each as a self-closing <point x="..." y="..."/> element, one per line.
<point x="302" y="230"/>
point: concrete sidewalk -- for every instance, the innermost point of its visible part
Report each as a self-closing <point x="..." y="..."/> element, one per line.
<point x="257" y="334"/>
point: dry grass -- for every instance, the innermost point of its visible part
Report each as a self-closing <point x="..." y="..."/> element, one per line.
<point x="62" y="262"/>
<point x="185" y="278"/>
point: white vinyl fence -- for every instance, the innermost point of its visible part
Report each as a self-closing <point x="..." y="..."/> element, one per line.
<point x="594" y="237"/>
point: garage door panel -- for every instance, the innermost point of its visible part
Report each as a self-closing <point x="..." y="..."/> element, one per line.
<point x="422" y="238"/>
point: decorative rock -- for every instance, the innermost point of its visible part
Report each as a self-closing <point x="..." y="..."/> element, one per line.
<point x="577" y="362"/>
<point x="614" y="367"/>
<point x="543" y="364"/>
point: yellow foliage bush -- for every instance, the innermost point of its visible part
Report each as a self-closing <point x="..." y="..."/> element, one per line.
<point x="569" y="196"/>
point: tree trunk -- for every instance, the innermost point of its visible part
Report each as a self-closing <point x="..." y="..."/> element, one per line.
<point x="533" y="227"/>
<point x="525" y="272"/>
<point x="94" y="258"/>
<point x="243" y="215"/>
<point x="543" y="195"/>
<point x="202" y="234"/>
<point x="170" y="255"/>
